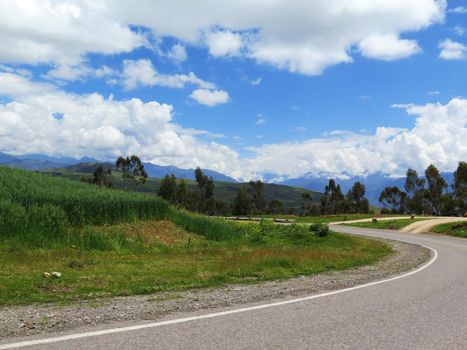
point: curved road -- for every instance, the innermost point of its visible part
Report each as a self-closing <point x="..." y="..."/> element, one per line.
<point x="425" y="310"/>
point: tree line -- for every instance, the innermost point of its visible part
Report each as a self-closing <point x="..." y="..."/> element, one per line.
<point x="428" y="195"/>
<point x="422" y="195"/>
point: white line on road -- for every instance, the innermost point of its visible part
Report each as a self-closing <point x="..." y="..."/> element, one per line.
<point x="212" y="315"/>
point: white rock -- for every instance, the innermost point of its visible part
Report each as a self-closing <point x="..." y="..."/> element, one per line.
<point x="47" y="275"/>
<point x="56" y="274"/>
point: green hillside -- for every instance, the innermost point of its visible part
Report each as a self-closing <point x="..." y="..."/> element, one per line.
<point x="291" y="197"/>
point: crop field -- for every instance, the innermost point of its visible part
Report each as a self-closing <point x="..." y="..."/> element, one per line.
<point x="109" y="242"/>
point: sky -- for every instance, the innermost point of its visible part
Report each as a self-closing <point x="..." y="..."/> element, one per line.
<point x="268" y="89"/>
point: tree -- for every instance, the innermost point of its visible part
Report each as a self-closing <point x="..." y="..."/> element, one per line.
<point x="259" y="202"/>
<point x="168" y="189"/>
<point x="394" y="198"/>
<point x="205" y="184"/>
<point x="415" y="188"/>
<point x="100" y="177"/>
<point x="242" y="202"/>
<point x="181" y="193"/>
<point x="332" y="202"/>
<point x="132" y="169"/>
<point x="436" y="187"/>
<point x="356" y="198"/>
<point x="275" y="207"/>
<point x="460" y="188"/>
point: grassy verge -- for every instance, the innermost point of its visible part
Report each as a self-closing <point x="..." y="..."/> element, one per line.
<point x="458" y="229"/>
<point x="385" y="224"/>
<point x="325" y="218"/>
<point x="148" y="256"/>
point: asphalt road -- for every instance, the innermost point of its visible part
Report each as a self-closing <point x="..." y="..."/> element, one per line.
<point x="424" y="310"/>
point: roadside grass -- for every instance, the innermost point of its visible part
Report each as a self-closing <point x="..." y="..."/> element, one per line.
<point x="386" y="224"/>
<point x="326" y="218"/>
<point x="458" y="229"/>
<point x="160" y="256"/>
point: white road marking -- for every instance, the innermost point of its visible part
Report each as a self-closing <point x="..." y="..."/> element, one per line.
<point x="212" y="315"/>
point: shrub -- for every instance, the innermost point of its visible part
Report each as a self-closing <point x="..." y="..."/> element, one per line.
<point x="321" y="230"/>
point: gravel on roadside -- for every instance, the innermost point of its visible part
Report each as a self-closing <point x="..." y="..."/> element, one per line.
<point x="41" y="319"/>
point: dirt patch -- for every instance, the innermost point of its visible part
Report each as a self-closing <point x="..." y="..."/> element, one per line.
<point x="29" y="320"/>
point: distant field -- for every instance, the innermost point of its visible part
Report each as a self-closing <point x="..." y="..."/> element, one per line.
<point x="110" y="242"/>
<point x="386" y="224"/>
<point x="458" y="229"/>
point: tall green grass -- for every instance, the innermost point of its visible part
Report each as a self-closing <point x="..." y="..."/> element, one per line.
<point x="37" y="205"/>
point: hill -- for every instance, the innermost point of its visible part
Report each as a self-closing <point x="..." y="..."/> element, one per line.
<point x="291" y="197"/>
<point x="43" y="162"/>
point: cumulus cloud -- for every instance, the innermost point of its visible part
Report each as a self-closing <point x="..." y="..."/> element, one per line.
<point x="49" y="31"/>
<point x="388" y="47"/>
<point x="142" y="73"/>
<point x="224" y="42"/>
<point x="91" y="125"/>
<point x="297" y="35"/>
<point x="452" y="50"/>
<point x="210" y="97"/>
<point x="438" y="137"/>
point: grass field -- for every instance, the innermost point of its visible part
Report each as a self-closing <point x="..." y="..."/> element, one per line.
<point x="385" y="224"/>
<point x="458" y="229"/>
<point x="110" y="242"/>
<point x="160" y="256"/>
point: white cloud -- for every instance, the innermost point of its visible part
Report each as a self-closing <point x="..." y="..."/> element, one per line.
<point x="12" y="84"/>
<point x="260" y="119"/>
<point x="142" y="73"/>
<point x="458" y="9"/>
<point x="297" y="35"/>
<point x="459" y="30"/>
<point x="210" y="97"/>
<point x="387" y="47"/>
<point x="224" y="42"/>
<point x="256" y="82"/>
<point x="435" y="92"/>
<point x="452" y="50"/>
<point x="80" y="71"/>
<point x="49" y="31"/>
<point x="100" y="127"/>
<point x="438" y="137"/>
<point x="177" y="53"/>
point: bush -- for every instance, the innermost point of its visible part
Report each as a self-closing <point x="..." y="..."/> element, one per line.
<point x="321" y="230"/>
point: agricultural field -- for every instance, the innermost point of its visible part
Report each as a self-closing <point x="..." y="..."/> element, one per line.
<point x="108" y="242"/>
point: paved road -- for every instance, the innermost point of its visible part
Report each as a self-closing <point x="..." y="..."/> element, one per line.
<point x="426" y="310"/>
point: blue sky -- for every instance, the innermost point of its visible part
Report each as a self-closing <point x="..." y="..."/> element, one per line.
<point x="292" y="89"/>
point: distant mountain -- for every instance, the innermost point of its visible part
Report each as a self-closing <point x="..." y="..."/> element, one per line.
<point x="159" y="171"/>
<point x="374" y="183"/>
<point x="85" y="164"/>
<point x="39" y="161"/>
